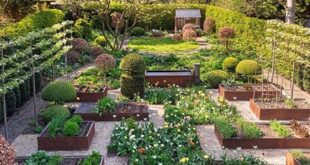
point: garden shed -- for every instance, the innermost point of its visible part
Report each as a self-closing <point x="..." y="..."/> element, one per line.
<point x="184" y="16"/>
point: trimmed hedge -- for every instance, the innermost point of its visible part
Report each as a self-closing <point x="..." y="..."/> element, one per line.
<point x="248" y="67"/>
<point x="229" y="64"/>
<point x="216" y="77"/>
<point x="59" y="91"/>
<point x="54" y="111"/>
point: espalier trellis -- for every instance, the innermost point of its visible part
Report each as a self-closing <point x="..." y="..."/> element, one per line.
<point x="290" y="44"/>
<point x="25" y="56"/>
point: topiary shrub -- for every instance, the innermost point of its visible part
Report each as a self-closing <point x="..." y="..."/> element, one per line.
<point x="96" y="51"/>
<point x="80" y="45"/>
<point x="248" y="67"/>
<point x="137" y="32"/>
<point x="216" y="77"/>
<point x="76" y="119"/>
<point x="59" y="92"/>
<point x="7" y="155"/>
<point x="54" y="111"/>
<point x="101" y="40"/>
<point x="229" y="64"/>
<point x="73" y="57"/>
<point x="82" y="28"/>
<point x="189" y="26"/>
<point x="177" y="37"/>
<point x="132" y="77"/>
<point x="209" y="25"/>
<point x="225" y="34"/>
<point x="71" y="129"/>
<point x="189" y="35"/>
<point x="105" y="62"/>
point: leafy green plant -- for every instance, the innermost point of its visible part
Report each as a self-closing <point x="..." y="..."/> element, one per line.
<point x="59" y="92"/>
<point x="216" y="77"/>
<point x="55" y="126"/>
<point x="93" y="159"/>
<point x="300" y="157"/>
<point x="42" y="158"/>
<point x="105" y="105"/>
<point x="76" y="119"/>
<point x="244" y="159"/>
<point x="137" y="31"/>
<point x="100" y="40"/>
<point x="229" y="64"/>
<point x="71" y="129"/>
<point x="280" y="129"/>
<point x="248" y="68"/>
<point x="54" y="111"/>
<point x="248" y="129"/>
<point x="82" y="28"/>
<point x="225" y="128"/>
<point x="289" y="103"/>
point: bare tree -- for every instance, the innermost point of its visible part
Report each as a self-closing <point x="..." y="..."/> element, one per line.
<point x="117" y="24"/>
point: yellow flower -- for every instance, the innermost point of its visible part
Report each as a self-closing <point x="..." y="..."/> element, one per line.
<point x="184" y="160"/>
<point x="206" y="156"/>
<point x="166" y="125"/>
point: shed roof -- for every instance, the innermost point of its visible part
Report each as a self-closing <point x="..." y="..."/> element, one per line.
<point x="187" y="13"/>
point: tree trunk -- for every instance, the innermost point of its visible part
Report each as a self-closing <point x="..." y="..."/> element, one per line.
<point x="290" y="12"/>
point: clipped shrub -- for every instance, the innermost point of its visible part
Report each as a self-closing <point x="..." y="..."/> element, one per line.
<point x="105" y="62"/>
<point x="54" y="111"/>
<point x="132" y="77"/>
<point x="248" y="67"/>
<point x="7" y="155"/>
<point x="59" y="92"/>
<point x="76" y="119"/>
<point x="101" y="40"/>
<point x="137" y="31"/>
<point x="96" y="51"/>
<point x="82" y="28"/>
<point x="177" y="37"/>
<point x="209" y="25"/>
<point x="55" y="126"/>
<point x="80" y="45"/>
<point x="73" y="57"/>
<point x="189" y="26"/>
<point x="71" y="129"/>
<point x="229" y="64"/>
<point x="189" y="35"/>
<point x="216" y="77"/>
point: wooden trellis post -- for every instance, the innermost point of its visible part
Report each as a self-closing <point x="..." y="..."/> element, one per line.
<point x="4" y="102"/>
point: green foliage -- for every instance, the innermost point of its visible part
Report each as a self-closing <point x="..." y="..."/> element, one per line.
<point x="244" y="160"/>
<point x="55" y="126"/>
<point x="248" y="67"/>
<point x="300" y="156"/>
<point x="133" y="64"/>
<point x="82" y="29"/>
<point x="105" y="105"/>
<point x="42" y="158"/>
<point x="71" y="129"/>
<point x="55" y="111"/>
<point x="248" y="129"/>
<point x="289" y="103"/>
<point x="101" y="40"/>
<point x="137" y="31"/>
<point x="225" y="128"/>
<point x="215" y="77"/>
<point x="280" y="129"/>
<point x="35" y="21"/>
<point x="93" y="159"/>
<point x="59" y="91"/>
<point x="76" y="119"/>
<point x="161" y="95"/>
<point x="229" y="64"/>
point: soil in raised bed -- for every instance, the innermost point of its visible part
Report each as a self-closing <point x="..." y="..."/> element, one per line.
<point x="269" y="133"/>
<point x="85" y="126"/>
<point x="89" y="89"/>
<point x="280" y="104"/>
<point x="254" y="87"/>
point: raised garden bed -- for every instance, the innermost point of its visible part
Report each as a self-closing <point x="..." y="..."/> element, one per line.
<point x="182" y="78"/>
<point x="240" y="93"/>
<point x="85" y="96"/>
<point x="138" y="111"/>
<point x="269" y="141"/>
<point x="291" y="160"/>
<point x="66" y="143"/>
<point x="67" y="160"/>
<point x="270" y="110"/>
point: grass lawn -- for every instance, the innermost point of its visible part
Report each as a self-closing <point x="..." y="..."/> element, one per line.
<point x="161" y="45"/>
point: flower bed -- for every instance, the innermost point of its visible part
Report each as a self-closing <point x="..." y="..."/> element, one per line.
<point x="268" y="141"/>
<point x="271" y="110"/>
<point x="91" y="96"/>
<point x="138" y="111"/>
<point x="59" y="142"/>
<point x="297" y="158"/>
<point x="240" y="93"/>
<point x="182" y="78"/>
<point x="71" y="160"/>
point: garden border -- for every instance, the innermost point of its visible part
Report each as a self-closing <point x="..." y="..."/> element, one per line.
<point x="170" y="79"/>
<point x="91" y="96"/>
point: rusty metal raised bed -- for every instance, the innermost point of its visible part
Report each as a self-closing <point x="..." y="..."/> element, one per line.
<point x="290" y="160"/>
<point x="182" y="78"/>
<point x="241" y="94"/>
<point x="91" y="96"/>
<point x="67" y="143"/>
<point x="278" y="112"/>
<point x="261" y="143"/>
<point x="66" y="160"/>
<point x="137" y="111"/>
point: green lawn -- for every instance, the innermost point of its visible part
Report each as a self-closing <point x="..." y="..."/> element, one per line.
<point x="161" y="45"/>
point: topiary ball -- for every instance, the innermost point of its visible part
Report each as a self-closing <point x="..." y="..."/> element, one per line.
<point x="133" y="64"/>
<point x="137" y="32"/>
<point x="226" y="32"/>
<point x="189" y="26"/>
<point x="209" y="25"/>
<point x="76" y="119"/>
<point x="73" y="57"/>
<point x="101" y="40"/>
<point x="189" y="35"/>
<point x="229" y="64"/>
<point x="95" y="51"/>
<point x="80" y="45"/>
<point x="59" y="92"/>
<point x="54" y="111"/>
<point x="105" y="62"/>
<point x="71" y="129"/>
<point x="248" y="67"/>
<point x="7" y="155"/>
<point x="216" y="77"/>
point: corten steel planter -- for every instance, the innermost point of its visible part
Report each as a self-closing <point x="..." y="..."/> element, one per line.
<point x="70" y="160"/>
<point x="66" y="143"/>
<point x="246" y="95"/>
<point x="91" y="96"/>
<point x="137" y="111"/>
<point x="279" y="113"/>
<point x="182" y="78"/>
<point x="262" y="143"/>
<point x="290" y="160"/>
